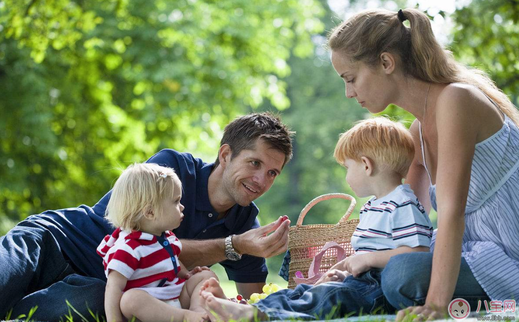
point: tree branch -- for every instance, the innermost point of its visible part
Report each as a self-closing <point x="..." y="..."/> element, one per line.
<point x="29" y="7"/>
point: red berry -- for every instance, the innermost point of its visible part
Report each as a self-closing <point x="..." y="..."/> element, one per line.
<point x="239" y="297"/>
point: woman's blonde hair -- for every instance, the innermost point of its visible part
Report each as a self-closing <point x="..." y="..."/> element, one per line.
<point x="140" y="189"/>
<point x="368" y="34"/>
<point x="389" y="144"/>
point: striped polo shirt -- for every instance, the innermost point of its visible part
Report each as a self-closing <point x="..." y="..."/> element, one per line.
<point x="146" y="263"/>
<point x="397" y="219"/>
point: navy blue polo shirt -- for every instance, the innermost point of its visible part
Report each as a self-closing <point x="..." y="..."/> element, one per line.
<point x="80" y="230"/>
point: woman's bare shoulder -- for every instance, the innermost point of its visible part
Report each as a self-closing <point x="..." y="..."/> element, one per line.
<point x="463" y="100"/>
<point x="456" y="93"/>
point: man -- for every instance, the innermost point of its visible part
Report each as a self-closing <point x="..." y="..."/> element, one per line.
<point x="51" y="258"/>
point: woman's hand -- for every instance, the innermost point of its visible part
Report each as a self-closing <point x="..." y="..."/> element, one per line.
<point x="421" y="313"/>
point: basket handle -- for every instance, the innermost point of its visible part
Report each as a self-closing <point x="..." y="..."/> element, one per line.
<point x="327" y="196"/>
<point x="316" y="262"/>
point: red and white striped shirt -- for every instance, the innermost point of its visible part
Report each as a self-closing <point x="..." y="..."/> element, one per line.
<point x="143" y="261"/>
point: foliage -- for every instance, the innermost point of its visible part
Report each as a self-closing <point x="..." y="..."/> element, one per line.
<point x="89" y="87"/>
<point x="319" y="113"/>
<point x="486" y="36"/>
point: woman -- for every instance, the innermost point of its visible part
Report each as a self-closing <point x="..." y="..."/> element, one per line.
<point x="467" y="160"/>
<point x="467" y="144"/>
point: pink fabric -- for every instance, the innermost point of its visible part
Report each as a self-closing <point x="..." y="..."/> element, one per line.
<point x="313" y="272"/>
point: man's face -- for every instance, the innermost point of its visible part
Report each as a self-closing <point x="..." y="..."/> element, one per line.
<point x="252" y="173"/>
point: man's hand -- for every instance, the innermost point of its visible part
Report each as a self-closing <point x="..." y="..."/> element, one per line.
<point x="257" y="242"/>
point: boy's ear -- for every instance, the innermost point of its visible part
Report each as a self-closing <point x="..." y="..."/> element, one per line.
<point x="224" y="154"/>
<point x="368" y="165"/>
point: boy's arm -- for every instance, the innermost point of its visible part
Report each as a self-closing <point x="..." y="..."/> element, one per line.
<point x="359" y="264"/>
<point x="380" y="259"/>
<point x="114" y="291"/>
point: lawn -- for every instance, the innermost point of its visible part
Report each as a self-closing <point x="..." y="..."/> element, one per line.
<point x="229" y="287"/>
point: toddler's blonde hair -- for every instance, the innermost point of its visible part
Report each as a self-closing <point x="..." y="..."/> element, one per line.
<point x="389" y="144"/>
<point x="140" y="189"/>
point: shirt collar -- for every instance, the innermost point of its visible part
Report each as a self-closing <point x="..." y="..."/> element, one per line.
<point x="202" y="189"/>
<point x="203" y="203"/>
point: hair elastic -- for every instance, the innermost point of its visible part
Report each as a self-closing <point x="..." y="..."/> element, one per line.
<point x="162" y="176"/>
<point x="401" y="16"/>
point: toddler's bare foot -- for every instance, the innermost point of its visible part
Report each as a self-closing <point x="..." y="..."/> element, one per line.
<point x="195" y="316"/>
<point x="213" y="286"/>
<point x="220" y="309"/>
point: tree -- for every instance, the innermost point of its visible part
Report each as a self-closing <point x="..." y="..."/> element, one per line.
<point x="319" y="113"/>
<point x="90" y="87"/>
<point x="486" y="36"/>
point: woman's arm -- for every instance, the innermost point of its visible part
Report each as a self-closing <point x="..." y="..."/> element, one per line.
<point x="457" y="127"/>
<point x="417" y="176"/>
<point x="114" y="291"/>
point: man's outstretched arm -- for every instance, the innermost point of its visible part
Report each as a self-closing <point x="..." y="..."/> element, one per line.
<point x="266" y="241"/>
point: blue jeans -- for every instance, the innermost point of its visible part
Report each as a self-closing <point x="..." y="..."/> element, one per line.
<point x="353" y="296"/>
<point x="406" y="277"/>
<point x="34" y="272"/>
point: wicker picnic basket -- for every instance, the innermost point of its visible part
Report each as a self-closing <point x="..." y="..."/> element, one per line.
<point x="305" y="242"/>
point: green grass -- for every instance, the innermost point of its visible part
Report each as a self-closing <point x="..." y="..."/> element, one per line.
<point x="229" y="287"/>
<point x="97" y="318"/>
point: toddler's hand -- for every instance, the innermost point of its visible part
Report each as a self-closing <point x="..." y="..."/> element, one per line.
<point x="333" y="275"/>
<point x="198" y="269"/>
<point x="195" y="270"/>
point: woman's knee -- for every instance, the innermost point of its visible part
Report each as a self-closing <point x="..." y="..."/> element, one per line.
<point x="405" y="279"/>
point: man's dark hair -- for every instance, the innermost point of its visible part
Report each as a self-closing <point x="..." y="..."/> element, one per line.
<point x="243" y="132"/>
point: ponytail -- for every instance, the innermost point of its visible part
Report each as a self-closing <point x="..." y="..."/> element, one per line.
<point x="368" y="34"/>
